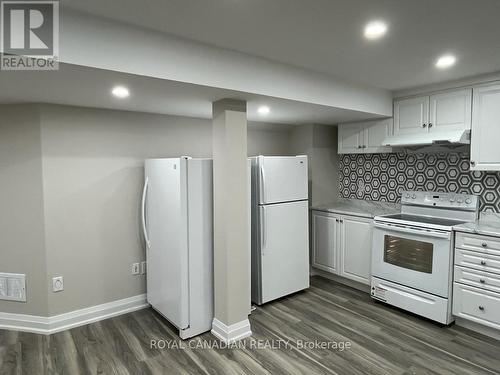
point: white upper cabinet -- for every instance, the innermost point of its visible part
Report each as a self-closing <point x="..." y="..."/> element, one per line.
<point x="351" y="138"/>
<point x="364" y="137"/>
<point x="451" y="110"/>
<point x="411" y="116"/>
<point x="375" y="134"/>
<point x="485" y="150"/>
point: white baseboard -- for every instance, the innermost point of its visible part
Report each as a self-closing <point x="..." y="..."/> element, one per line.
<point x="231" y="333"/>
<point x="57" y="323"/>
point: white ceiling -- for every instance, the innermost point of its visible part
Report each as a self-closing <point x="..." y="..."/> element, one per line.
<point x="88" y="87"/>
<point x="326" y="35"/>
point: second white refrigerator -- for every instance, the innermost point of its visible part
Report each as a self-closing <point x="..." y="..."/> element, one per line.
<point x="177" y="222"/>
<point x="280" y="227"/>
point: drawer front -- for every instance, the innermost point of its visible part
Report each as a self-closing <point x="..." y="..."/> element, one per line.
<point x="477" y="305"/>
<point x="475" y="242"/>
<point x="477" y="261"/>
<point x="476" y="278"/>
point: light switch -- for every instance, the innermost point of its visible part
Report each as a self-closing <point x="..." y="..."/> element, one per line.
<point x="13" y="287"/>
<point x="3" y="287"/>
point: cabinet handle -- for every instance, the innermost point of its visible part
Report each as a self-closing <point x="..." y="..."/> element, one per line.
<point x="337" y="220"/>
<point x="430" y="125"/>
<point x="364" y="146"/>
<point x="360" y="146"/>
<point x="481" y="308"/>
<point x="341" y="221"/>
<point x="484" y="244"/>
<point x="482" y="281"/>
<point x="483" y="263"/>
<point x="424" y="125"/>
<point x="472" y="163"/>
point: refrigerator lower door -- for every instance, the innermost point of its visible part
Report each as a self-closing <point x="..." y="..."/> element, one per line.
<point x="282" y="179"/>
<point x="284" y="255"/>
<point x="166" y="226"/>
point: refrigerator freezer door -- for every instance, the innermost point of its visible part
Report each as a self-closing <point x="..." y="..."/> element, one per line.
<point x="282" y="179"/>
<point x="284" y="237"/>
<point x="166" y="225"/>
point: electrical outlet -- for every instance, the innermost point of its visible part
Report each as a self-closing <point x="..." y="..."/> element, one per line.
<point x="57" y="284"/>
<point x="143" y="268"/>
<point x="135" y="269"/>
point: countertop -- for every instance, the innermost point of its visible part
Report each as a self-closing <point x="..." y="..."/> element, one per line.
<point x="358" y="207"/>
<point x="488" y="225"/>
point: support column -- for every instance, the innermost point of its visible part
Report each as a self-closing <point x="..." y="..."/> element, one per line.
<point x="231" y="221"/>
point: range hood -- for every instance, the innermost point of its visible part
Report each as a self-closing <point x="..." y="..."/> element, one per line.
<point x="435" y="137"/>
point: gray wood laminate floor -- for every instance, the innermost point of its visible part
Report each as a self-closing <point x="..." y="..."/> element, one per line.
<point x="382" y="340"/>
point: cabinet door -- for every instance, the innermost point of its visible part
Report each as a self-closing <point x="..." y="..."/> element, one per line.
<point x="356" y="249"/>
<point x="485" y="153"/>
<point x="351" y="138"/>
<point x="375" y="134"/>
<point x="451" y="110"/>
<point x="325" y="242"/>
<point x="411" y="116"/>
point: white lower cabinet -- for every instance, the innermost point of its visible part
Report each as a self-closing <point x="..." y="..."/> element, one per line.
<point x="325" y="240"/>
<point x="356" y="249"/>
<point x="476" y="287"/>
<point x="342" y="245"/>
<point x="477" y="305"/>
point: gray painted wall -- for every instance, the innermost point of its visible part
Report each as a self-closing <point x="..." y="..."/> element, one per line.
<point x="22" y="239"/>
<point x="319" y="143"/>
<point x="85" y="227"/>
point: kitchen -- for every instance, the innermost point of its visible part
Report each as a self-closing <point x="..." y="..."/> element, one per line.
<point x="190" y="200"/>
<point x="436" y="192"/>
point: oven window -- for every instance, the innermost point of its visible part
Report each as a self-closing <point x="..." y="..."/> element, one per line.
<point x="410" y="254"/>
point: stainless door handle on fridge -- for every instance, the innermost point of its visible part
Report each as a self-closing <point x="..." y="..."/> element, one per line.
<point x="262" y="183"/>
<point x="143" y="212"/>
<point x="263" y="231"/>
<point x="420" y="232"/>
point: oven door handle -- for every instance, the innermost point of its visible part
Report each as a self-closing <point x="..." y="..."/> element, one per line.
<point x="421" y="232"/>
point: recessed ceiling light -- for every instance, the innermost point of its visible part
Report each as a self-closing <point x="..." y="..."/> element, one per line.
<point x="264" y="110"/>
<point x="446" y="61"/>
<point x="120" y="92"/>
<point x="375" y="30"/>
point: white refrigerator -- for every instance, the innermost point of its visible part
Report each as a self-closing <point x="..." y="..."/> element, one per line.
<point x="280" y="226"/>
<point x="177" y="223"/>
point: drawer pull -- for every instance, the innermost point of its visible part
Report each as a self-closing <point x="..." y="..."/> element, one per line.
<point x="483" y="263"/>
<point x="481" y="308"/>
<point x="484" y="244"/>
<point x="482" y="281"/>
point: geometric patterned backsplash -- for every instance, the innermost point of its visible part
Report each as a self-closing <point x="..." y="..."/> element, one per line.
<point x="382" y="177"/>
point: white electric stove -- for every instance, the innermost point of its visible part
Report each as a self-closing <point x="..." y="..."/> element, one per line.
<point x="412" y="252"/>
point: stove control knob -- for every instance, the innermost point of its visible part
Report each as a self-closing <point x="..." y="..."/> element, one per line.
<point x="408" y="195"/>
<point x="414" y="196"/>
<point x="468" y="201"/>
<point x="459" y="200"/>
<point x="452" y="199"/>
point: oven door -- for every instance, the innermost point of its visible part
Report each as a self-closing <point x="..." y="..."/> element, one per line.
<point x="412" y="256"/>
